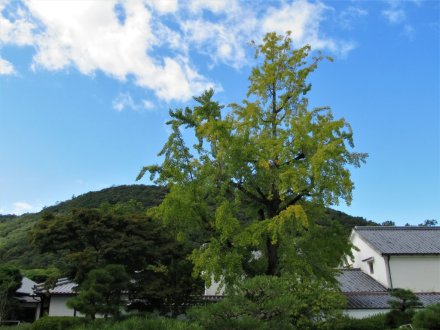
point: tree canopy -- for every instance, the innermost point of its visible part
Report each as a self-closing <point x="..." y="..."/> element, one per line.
<point x="119" y="235"/>
<point x="10" y="281"/>
<point x="256" y="169"/>
<point x="102" y="292"/>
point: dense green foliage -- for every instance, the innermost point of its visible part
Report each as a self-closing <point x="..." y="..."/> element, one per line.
<point x="375" y="322"/>
<point x="148" y="196"/>
<point x="139" y="323"/>
<point x="121" y="235"/>
<point x="428" y="318"/>
<point x="402" y="308"/>
<point x="270" y="302"/>
<point x="16" y="249"/>
<point x="10" y="281"/>
<point x="256" y="170"/>
<point x="57" y="323"/>
<point x="102" y="292"/>
<point x="92" y="238"/>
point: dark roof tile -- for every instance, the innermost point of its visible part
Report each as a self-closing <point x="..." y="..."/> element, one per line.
<point x="354" y="280"/>
<point x="402" y="240"/>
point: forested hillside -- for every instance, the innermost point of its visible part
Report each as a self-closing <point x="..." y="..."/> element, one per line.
<point x="15" y="247"/>
<point x="14" y="230"/>
<point x="147" y="195"/>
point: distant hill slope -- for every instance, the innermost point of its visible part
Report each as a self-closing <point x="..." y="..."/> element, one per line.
<point x="148" y="195"/>
<point x="14" y="230"/>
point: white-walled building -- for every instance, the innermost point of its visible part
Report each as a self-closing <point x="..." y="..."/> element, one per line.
<point x="385" y="258"/>
<point x="388" y="258"/>
<point x="58" y="296"/>
<point x="30" y="303"/>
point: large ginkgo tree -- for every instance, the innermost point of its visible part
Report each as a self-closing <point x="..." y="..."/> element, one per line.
<point x="242" y="188"/>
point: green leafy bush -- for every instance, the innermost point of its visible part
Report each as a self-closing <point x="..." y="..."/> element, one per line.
<point x="22" y="326"/>
<point x="402" y="308"/>
<point x="429" y="318"/>
<point x="375" y="322"/>
<point x="139" y="323"/>
<point x="269" y="302"/>
<point x="57" y="323"/>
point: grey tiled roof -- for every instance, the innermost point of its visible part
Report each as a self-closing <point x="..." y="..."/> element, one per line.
<point x="402" y="240"/>
<point x="354" y="280"/>
<point x="64" y="286"/>
<point x="364" y="292"/>
<point x="27" y="286"/>
<point x="379" y="300"/>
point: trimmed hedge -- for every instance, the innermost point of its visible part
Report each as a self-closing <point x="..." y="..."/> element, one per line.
<point x="428" y="318"/>
<point x="139" y="323"/>
<point x="57" y="322"/>
<point x="375" y="322"/>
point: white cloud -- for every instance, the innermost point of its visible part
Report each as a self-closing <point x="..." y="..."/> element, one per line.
<point x="350" y="15"/>
<point x="148" y="105"/>
<point x="303" y="18"/>
<point x="409" y="32"/>
<point x="17" y="28"/>
<point x="125" y="101"/>
<point x="6" y="68"/>
<point x="164" y="6"/>
<point x="394" y="15"/>
<point x="89" y="36"/>
<point x="153" y="41"/>
<point x="395" y="12"/>
<point x="122" y="102"/>
<point x="21" y="207"/>
<point x="214" y="6"/>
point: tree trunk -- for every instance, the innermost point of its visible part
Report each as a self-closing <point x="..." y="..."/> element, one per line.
<point x="272" y="257"/>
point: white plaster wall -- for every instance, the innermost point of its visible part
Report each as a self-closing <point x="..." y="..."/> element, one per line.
<point x="417" y="273"/>
<point x="366" y="251"/>
<point x="361" y="313"/>
<point x="38" y="311"/>
<point x="214" y="290"/>
<point x="58" y="306"/>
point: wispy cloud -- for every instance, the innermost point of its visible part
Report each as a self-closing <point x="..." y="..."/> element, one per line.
<point x="6" y="68"/>
<point x="409" y="32"/>
<point x="148" y="105"/>
<point x="125" y="101"/>
<point x="395" y="14"/>
<point x="350" y="15"/>
<point x="304" y="19"/>
<point x="21" y="207"/>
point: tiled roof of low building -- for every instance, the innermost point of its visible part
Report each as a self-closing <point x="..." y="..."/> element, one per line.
<point x="402" y="240"/>
<point x="354" y="280"/>
<point x="379" y="300"/>
<point x="64" y="286"/>
<point x="27" y="287"/>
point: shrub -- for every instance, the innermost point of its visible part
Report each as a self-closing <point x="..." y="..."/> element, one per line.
<point x="429" y="318"/>
<point x="21" y="326"/>
<point x="57" y="322"/>
<point x="396" y="318"/>
<point x="139" y="323"/>
<point x="269" y="302"/>
<point x="375" y="322"/>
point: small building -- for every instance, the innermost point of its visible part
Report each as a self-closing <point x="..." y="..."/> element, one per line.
<point x="29" y="302"/>
<point x="388" y="258"/>
<point x="58" y="296"/>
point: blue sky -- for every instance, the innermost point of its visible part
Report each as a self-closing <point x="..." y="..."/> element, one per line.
<point x="85" y="88"/>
